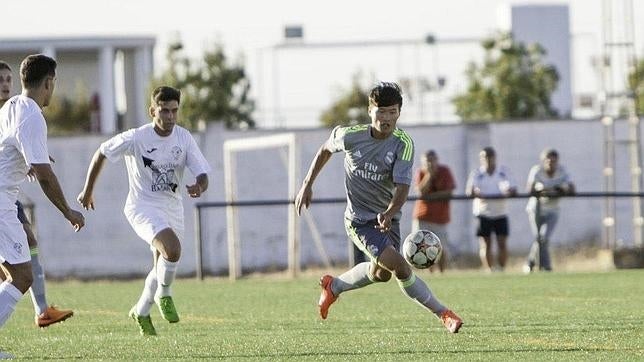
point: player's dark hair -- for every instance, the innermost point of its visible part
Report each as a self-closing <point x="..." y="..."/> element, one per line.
<point x="35" y="68"/>
<point x="4" y="65"/>
<point x="488" y="151"/>
<point x="386" y="94"/>
<point x="165" y="94"/>
<point x="549" y="152"/>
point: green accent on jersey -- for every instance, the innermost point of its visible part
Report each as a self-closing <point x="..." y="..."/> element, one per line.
<point x="409" y="145"/>
<point x="33" y="251"/>
<point x="408" y="282"/>
<point x="356" y="128"/>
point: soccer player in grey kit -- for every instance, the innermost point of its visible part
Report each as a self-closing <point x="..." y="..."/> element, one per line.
<point x="378" y="171"/>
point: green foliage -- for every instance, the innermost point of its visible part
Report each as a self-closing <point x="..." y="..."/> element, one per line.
<point x="508" y="316"/>
<point x="512" y="83"/>
<point x="349" y="108"/>
<point x="636" y="82"/>
<point x="69" y="115"/>
<point x="212" y="89"/>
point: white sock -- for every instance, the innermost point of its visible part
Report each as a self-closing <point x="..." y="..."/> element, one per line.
<point x="9" y="297"/>
<point x="357" y="277"/>
<point x="166" y="270"/>
<point x="37" y="288"/>
<point x="416" y="289"/>
<point x="146" y="300"/>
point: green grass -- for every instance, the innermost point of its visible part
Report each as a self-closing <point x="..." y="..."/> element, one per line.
<point x="556" y="316"/>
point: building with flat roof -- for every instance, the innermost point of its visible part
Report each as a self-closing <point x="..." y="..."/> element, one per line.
<point x="103" y="67"/>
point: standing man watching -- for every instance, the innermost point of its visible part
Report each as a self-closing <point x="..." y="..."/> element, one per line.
<point x="546" y="181"/>
<point x="491" y="214"/>
<point x="23" y="147"/>
<point x="434" y="180"/>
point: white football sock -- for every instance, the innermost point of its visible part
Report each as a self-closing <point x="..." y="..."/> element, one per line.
<point x="146" y="300"/>
<point x="418" y="291"/>
<point x="357" y="277"/>
<point x="9" y="297"/>
<point x="166" y="270"/>
<point x="37" y="289"/>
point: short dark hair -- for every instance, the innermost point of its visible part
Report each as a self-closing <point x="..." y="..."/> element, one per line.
<point x="165" y="94"/>
<point x="36" y="68"/>
<point x="488" y="151"/>
<point x="4" y="65"/>
<point x="386" y="94"/>
<point x="549" y="152"/>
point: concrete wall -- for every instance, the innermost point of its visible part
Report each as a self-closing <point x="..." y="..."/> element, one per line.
<point x="107" y="247"/>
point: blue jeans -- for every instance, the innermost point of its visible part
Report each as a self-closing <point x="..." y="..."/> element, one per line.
<point x="542" y="226"/>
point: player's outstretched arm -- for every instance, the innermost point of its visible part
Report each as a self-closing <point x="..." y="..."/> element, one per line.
<point x="305" y="195"/>
<point x="51" y="187"/>
<point x="86" y="198"/>
<point x="199" y="187"/>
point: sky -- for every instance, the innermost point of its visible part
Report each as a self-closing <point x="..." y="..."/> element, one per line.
<point x="292" y="86"/>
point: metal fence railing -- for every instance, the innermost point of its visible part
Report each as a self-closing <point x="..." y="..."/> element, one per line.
<point x="200" y="206"/>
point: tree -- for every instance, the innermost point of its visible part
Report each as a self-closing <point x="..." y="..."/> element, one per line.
<point x="349" y="108"/>
<point x="512" y="83"/>
<point x="69" y="115"/>
<point x="212" y="89"/>
<point x="636" y="82"/>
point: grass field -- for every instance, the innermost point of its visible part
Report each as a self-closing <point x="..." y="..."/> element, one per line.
<point x="556" y="316"/>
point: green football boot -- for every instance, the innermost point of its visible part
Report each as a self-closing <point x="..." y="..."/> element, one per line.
<point x="145" y="323"/>
<point x="167" y="309"/>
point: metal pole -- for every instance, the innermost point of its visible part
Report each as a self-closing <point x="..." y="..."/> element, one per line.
<point x="198" y="243"/>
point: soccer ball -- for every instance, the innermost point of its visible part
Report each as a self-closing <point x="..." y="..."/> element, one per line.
<point x="422" y="249"/>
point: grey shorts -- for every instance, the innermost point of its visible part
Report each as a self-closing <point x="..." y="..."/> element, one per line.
<point x="370" y="240"/>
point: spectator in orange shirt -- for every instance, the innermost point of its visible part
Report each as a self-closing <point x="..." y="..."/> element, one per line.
<point x="433" y="180"/>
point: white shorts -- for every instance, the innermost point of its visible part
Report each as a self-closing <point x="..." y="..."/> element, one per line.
<point x="13" y="240"/>
<point x="148" y="221"/>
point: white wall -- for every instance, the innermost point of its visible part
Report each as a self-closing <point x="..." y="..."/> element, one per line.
<point x="108" y="247"/>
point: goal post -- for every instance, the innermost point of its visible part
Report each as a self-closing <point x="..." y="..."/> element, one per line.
<point x="230" y="148"/>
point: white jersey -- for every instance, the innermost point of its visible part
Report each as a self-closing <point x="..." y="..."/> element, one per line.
<point x="495" y="184"/>
<point x="540" y="178"/>
<point x="23" y="141"/>
<point x="155" y="164"/>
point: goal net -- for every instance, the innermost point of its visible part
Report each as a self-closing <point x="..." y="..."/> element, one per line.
<point x="239" y="153"/>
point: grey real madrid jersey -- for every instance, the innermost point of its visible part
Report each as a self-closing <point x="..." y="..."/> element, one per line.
<point x="372" y="168"/>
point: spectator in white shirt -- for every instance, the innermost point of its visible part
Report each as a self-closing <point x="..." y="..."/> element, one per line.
<point x="496" y="181"/>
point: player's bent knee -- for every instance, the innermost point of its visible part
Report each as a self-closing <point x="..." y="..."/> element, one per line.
<point x="22" y="278"/>
<point x="403" y="271"/>
<point x="382" y="275"/>
<point x="173" y="255"/>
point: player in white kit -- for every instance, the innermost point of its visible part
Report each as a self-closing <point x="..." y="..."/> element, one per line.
<point x="23" y="149"/>
<point x="46" y="314"/>
<point x="156" y="155"/>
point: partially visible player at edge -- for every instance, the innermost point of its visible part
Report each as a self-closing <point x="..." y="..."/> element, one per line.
<point x="45" y="314"/>
<point x="378" y="171"/>
<point x="23" y="147"/>
<point x="156" y="155"/>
